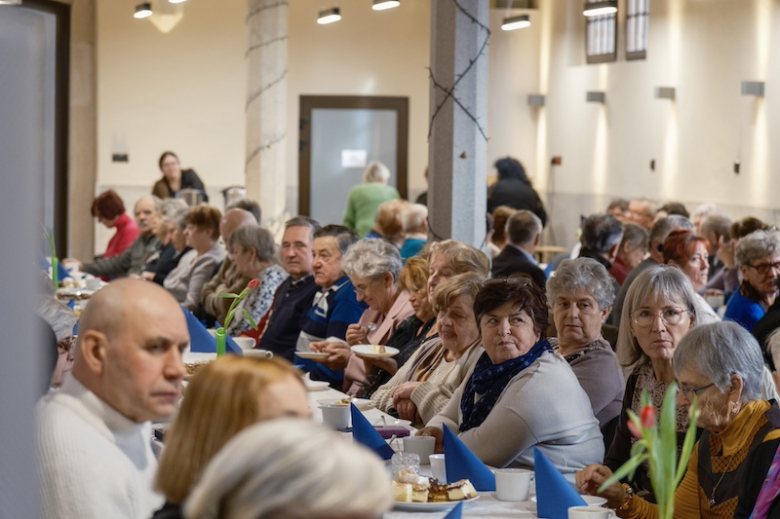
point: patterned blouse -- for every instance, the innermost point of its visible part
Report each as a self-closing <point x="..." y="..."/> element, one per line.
<point x="259" y="301"/>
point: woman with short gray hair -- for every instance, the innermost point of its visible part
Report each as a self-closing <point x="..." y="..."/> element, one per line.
<point x="758" y="257"/>
<point x="581" y="295"/>
<point x="720" y="366"/>
<point x="373" y="266"/>
<point x="252" y="249"/>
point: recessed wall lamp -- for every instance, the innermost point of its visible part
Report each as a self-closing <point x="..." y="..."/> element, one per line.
<point x="329" y="16"/>
<point x="753" y="88"/>
<point x="382" y="5"/>
<point x="536" y="100"/>
<point x="143" y="10"/>
<point x="516" y="22"/>
<point x="665" y="93"/>
<point x="596" y="97"/>
<point x="600" y="8"/>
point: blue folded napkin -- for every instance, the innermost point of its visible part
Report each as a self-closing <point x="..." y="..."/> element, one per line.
<point x="455" y="512"/>
<point x="554" y="495"/>
<point x="364" y="433"/>
<point x="463" y="464"/>
<point x="201" y="341"/>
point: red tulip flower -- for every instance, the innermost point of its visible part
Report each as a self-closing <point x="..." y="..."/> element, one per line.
<point x="253" y="284"/>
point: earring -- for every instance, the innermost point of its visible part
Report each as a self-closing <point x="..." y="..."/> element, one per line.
<point x="734" y="407"/>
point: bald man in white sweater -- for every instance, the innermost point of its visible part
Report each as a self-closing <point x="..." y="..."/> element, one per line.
<point x="94" y="435"/>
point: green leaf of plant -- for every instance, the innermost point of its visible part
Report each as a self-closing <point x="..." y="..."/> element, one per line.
<point x="628" y="467"/>
<point x="688" y="443"/>
<point x="668" y="446"/>
<point x="250" y="318"/>
<point x="228" y="296"/>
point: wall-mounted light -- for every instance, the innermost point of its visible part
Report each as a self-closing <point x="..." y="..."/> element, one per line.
<point x="753" y="88"/>
<point x="382" y="5"/>
<point x="665" y="93"/>
<point x="177" y="1"/>
<point x="516" y="22"/>
<point x="535" y="100"/>
<point x="600" y="8"/>
<point x="143" y="11"/>
<point x="10" y="2"/>
<point x="596" y="97"/>
<point x="329" y="16"/>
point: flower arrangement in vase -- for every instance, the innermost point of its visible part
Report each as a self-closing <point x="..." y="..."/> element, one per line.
<point x="221" y="335"/>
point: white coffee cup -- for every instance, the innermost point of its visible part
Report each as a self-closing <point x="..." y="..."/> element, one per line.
<point x="438" y="468"/>
<point x="336" y="416"/>
<point x="245" y="343"/>
<point x="512" y="484"/>
<point x="260" y="354"/>
<point x="92" y="283"/>
<point x="590" y="512"/>
<point x="423" y="446"/>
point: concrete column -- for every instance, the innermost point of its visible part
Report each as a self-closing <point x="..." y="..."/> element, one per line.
<point x="458" y="119"/>
<point x="266" y="107"/>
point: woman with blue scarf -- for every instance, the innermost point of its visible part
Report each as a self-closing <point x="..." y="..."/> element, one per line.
<point x="521" y="394"/>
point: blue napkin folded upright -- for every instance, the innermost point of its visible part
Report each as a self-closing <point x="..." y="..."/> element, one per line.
<point x="201" y="341"/>
<point x="554" y="495"/>
<point x="463" y="464"/>
<point x="365" y="434"/>
<point x="455" y="513"/>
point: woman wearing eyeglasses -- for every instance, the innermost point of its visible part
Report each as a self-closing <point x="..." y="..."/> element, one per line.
<point x="721" y="364"/>
<point x="660" y="308"/>
<point x="758" y="256"/>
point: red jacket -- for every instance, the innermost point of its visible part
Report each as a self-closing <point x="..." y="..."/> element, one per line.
<point x="126" y="233"/>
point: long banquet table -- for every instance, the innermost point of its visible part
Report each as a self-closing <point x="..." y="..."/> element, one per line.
<point x="486" y="506"/>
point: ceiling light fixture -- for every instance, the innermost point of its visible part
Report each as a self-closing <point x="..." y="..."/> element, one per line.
<point x="329" y="16"/>
<point x="600" y="8"/>
<point x="143" y="11"/>
<point x="10" y="2"/>
<point x="381" y="5"/>
<point x="516" y="22"/>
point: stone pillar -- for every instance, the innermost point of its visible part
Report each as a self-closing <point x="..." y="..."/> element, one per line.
<point x="266" y="107"/>
<point x="458" y="119"/>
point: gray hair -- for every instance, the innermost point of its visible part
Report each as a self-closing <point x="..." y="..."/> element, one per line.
<point x="663" y="283"/>
<point x="254" y="237"/>
<point x="414" y="217"/>
<point x="523" y="227"/>
<point x="303" y="221"/>
<point x="158" y="203"/>
<point x="719" y="350"/>
<point x="757" y="245"/>
<point x="176" y="216"/>
<point x="717" y="223"/>
<point x="600" y="232"/>
<point x="58" y="315"/>
<point x="173" y="205"/>
<point x="585" y="274"/>
<point x="636" y="235"/>
<point x="376" y="172"/>
<point x="705" y="210"/>
<point x="663" y="227"/>
<point x="247" y="204"/>
<point x="371" y="258"/>
<point x="294" y="469"/>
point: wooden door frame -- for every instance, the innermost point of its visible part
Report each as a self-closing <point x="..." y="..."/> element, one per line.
<point x="308" y="103"/>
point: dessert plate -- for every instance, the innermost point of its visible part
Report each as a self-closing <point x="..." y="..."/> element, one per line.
<point x="595" y="501"/>
<point x="361" y="403"/>
<point x="429" y="507"/>
<point x="369" y="350"/>
<point x="312" y="355"/>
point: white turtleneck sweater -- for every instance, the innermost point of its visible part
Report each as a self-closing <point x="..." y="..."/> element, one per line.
<point x="93" y="462"/>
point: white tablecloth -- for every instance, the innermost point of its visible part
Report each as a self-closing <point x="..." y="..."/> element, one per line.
<point x="486" y="506"/>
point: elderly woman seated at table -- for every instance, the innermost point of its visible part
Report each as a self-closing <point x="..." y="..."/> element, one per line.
<point x="420" y="389"/>
<point x="689" y="253"/>
<point x="758" y="256"/>
<point x="373" y="266"/>
<point x="252" y="250"/>
<point x="521" y="394"/>
<point x="196" y="267"/>
<point x="224" y="397"/>
<point x="417" y="328"/>
<point x="722" y="365"/>
<point x="660" y="308"/>
<point x="581" y="294"/>
<point x="291" y="469"/>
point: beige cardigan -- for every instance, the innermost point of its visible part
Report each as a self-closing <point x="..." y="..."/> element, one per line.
<point x="431" y="396"/>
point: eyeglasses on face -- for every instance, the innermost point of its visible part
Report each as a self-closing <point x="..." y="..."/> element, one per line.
<point x="763" y="268"/>
<point x="688" y="391"/>
<point x="670" y="317"/>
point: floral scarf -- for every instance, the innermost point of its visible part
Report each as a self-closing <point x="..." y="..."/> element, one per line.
<point x="488" y="382"/>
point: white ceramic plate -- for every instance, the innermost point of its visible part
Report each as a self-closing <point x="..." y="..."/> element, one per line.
<point x="312" y="355"/>
<point x="589" y="500"/>
<point x="361" y="403"/>
<point x="369" y="350"/>
<point x="429" y="507"/>
<point x="315" y="385"/>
